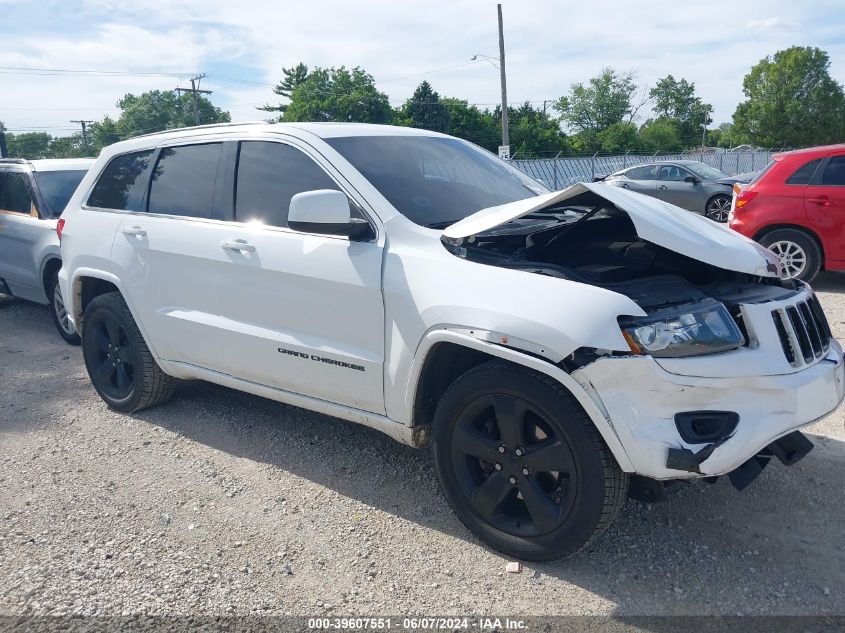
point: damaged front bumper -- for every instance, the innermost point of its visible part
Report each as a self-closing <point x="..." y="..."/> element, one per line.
<point x="641" y="400"/>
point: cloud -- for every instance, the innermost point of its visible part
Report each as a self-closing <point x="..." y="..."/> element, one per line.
<point x="767" y="24"/>
<point x="550" y="45"/>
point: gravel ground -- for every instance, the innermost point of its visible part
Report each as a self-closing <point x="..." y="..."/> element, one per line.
<point x="223" y="503"/>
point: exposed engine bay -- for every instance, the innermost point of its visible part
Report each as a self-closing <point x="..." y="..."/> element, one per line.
<point x="588" y="239"/>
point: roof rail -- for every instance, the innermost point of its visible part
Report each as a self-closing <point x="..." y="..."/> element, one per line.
<point x="200" y="127"/>
<point x="13" y="160"/>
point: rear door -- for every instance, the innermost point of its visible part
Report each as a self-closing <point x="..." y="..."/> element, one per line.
<point x="20" y="228"/>
<point x="298" y="311"/>
<point x="824" y="202"/>
<point x="168" y="255"/>
<point x="640" y="179"/>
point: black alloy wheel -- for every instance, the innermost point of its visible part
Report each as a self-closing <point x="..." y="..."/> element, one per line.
<point x="521" y="463"/>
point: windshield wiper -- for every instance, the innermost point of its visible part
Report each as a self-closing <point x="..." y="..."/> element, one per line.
<point x="440" y="225"/>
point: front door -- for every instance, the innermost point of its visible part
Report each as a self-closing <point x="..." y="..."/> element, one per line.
<point x="824" y="202"/>
<point x="301" y="312"/>
<point x="675" y="190"/>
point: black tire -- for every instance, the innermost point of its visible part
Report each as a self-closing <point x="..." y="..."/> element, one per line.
<point x="119" y="363"/>
<point x="718" y="207"/>
<point x="799" y="244"/>
<point x="59" y="313"/>
<point x="573" y="504"/>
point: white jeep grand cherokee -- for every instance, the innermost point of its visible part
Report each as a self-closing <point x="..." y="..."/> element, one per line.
<point x="557" y="349"/>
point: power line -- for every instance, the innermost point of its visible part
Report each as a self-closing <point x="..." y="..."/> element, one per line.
<point x="195" y="91"/>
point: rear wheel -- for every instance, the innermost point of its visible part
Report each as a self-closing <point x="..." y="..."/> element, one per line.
<point x="798" y="252"/>
<point x="118" y="360"/>
<point x="522" y="465"/>
<point x="58" y="311"/>
<point x="718" y="208"/>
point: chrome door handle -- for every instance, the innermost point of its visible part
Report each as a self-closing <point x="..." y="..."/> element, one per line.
<point x="624" y="185"/>
<point x="664" y="187"/>
<point x="237" y="245"/>
<point x="136" y="231"/>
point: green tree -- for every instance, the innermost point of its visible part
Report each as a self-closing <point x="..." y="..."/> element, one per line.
<point x="291" y="78"/>
<point x="153" y="111"/>
<point x="792" y="101"/>
<point x="532" y="131"/>
<point x="675" y="101"/>
<point x="472" y="124"/>
<point x="661" y="134"/>
<point x="618" y="138"/>
<point x="606" y="99"/>
<point x="337" y="94"/>
<point x="424" y="110"/>
<point x="29" y="145"/>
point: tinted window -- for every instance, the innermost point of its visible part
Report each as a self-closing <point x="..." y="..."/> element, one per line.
<point x="57" y="187"/>
<point x="705" y="172"/>
<point x="120" y="185"/>
<point x="648" y="172"/>
<point x="435" y="181"/>
<point x="804" y="173"/>
<point x="673" y="173"/>
<point x="834" y="173"/>
<point x="183" y="180"/>
<point x="15" y="194"/>
<point x="269" y="175"/>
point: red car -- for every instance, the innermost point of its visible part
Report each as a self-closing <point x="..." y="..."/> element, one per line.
<point x="796" y="207"/>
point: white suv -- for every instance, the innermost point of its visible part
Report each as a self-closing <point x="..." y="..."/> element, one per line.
<point x="555" y="348"/>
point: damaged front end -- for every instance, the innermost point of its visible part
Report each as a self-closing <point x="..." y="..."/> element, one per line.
<point x="726" y="358"/>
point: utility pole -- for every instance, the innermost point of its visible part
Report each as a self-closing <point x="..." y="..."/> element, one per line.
<point x="194" y="90"/>
<point x="84" y="131"/>
<point x="505" y="139"/>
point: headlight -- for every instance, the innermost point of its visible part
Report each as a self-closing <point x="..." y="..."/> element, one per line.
<point x="691" y="330"/>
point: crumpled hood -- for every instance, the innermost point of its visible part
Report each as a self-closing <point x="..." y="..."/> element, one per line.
<point x="655" y="221"/>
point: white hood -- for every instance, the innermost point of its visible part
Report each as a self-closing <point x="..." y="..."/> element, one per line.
<point x="655" y="221"/>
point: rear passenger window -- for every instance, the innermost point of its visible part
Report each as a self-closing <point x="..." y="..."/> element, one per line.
<point x="642" y="173"/>
<point x="15" y="194"/>
<point x="183" y="180"/>
<point x="804" y="173"/>
<point x="120" y="185"/>
<point x="269" y="175"/>
<point x="834" y="172"/>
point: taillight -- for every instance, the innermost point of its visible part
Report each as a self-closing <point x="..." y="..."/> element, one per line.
<point x="744" y="197"/>
<point x="60" y="225"/>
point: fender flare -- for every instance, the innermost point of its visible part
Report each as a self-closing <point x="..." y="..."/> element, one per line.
<point x="458" y="337"/>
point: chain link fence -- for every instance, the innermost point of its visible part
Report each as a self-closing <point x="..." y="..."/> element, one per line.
<point x="558" y="173"/>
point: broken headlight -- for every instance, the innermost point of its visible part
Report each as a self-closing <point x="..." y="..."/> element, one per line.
<point x="690" y="330"/>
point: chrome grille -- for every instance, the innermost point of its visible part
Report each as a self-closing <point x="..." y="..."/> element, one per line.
<point x="803" y="331"/>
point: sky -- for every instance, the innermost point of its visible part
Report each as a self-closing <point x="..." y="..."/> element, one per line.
<point x="242" y="46"/>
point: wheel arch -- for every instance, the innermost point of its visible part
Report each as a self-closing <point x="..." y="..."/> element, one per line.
<point x="794" y="227"/>
<point x="49" y="266"/>
<point x="459" y="352"/>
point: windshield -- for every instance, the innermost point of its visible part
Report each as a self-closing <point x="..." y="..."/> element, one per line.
<point x="58" y="186"/>
<point x="705" y="172"/>
<point x="435" y="181"/>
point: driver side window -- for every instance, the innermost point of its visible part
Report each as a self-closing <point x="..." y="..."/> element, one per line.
<point x="269" y="174"/>
<point x="673" y="173"/>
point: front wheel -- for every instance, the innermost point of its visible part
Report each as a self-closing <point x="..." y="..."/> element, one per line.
<point x="718" y="208"/>
<point x="522" y="465"/>
<point x="797" y="251"/>
<point x="58" y="311"/>
<point x="118" y="361"/>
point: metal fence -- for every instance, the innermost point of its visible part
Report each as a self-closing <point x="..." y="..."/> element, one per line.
<point x="558" y="173"/>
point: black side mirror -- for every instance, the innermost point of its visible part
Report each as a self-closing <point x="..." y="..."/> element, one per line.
<point x="692" y="179"/>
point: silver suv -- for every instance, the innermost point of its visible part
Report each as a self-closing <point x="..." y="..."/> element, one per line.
<point x="33" y="194"/>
